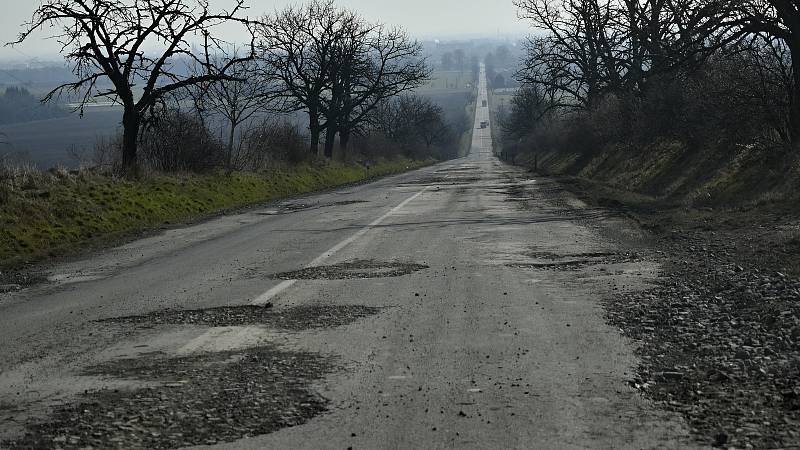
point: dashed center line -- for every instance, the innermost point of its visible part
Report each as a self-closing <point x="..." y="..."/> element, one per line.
<point x="264" y="298"/>
<point x="231" y="336"/>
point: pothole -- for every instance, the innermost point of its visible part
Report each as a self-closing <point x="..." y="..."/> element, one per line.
<point x="16" y="281"/>
<point x="458" y="170"/>
<point x="549" y="255"/>
<point x="348" y="202"/>
<point x="288" y="208"/>
<point x="574" y="261"/>
<point x="563" y="265"/>
<point x="352" y="270"/>
<point x="199" y="400"/>
<point x="296" y="206"/>
<point x="296" y="318"/>
<point x="443" y="180"/>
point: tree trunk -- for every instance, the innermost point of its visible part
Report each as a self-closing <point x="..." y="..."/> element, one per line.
<point x="341" y="150"/>
<point x="231" y="139"/>
<point x="794" y="101"/>
<point x="330" y="140"/>
<point x="344" y="141"/>
<point x="313" y="128"/>
<point x="131" y="121"/>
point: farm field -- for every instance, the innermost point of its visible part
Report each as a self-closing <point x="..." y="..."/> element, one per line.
<point x="448" y="81"/>
<point x="46" y="142"/>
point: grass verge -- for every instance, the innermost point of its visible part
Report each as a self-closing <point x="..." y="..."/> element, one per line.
<point x="54" y="214"/>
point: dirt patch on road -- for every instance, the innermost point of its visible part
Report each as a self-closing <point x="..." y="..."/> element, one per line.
<point x="352" y="270"/>
<point x="205" y="399"/>
<point x="296" y="318"/>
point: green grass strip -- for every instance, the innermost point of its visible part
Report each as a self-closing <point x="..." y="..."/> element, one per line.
<point x="66" y="213"/>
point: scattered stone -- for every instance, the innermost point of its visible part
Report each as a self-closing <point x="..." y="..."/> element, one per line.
<point x="6" y="288"/>
<point x="221" y="397"/>
<point x="296" y="318"/>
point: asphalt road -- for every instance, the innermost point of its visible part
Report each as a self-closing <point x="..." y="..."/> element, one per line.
<point x="457" y="306"/>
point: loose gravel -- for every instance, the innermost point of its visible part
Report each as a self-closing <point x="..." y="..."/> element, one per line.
<point x="720" y="343"/>
<point x="205" y="399"/>
<point x="296" y="318"/>
<point x="352" y="270"/>
<point x="719" y="334"/>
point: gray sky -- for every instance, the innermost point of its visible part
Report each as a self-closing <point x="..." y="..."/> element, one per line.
<point x="439" y="19"/>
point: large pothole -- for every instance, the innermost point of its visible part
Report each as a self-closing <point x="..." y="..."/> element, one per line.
<point x="574" y="261"/>
<point x="288" y="208"/>
<point x="296" y="318"/>
<point x="599" y="255"/>
<point x="562" y="265"/>
<point x="352" y="270"/>
<point x="443" y="180"/>
<point x="198" y="400"/>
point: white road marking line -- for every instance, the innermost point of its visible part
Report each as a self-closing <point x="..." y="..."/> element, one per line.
<point x="264" y="298"/>
<point x="207" y="339"/>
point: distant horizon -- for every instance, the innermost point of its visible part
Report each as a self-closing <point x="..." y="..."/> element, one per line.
<point x="445" y="20"/>
<point x="18" y="57"/>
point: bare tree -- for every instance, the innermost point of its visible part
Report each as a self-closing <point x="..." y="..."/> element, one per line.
<point x="778" y="21"/>
<point x="248" y="92"/>
<point x="110" y="40"/>
<point x="411" y="121"/>
<point x="447" y="61"/>
<point x="460" y="58"/>
<point x="387" y="64"/>
<point x="594" y="47"/>
<point x="298" y="46"/>
<point x="350" y="61"/>
<point x="576" y="55"/>
<point x="529" y="106"/>
<point x="336" y="67"/>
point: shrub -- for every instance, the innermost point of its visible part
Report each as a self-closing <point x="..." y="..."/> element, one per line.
<point x="176" y="141"/>
<point x="270" y="143"/>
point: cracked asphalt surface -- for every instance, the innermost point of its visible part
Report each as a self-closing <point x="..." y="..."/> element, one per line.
<point x="486" y="343"/>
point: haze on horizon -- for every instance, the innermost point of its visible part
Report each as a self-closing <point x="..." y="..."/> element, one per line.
<point x="423" y="19"/>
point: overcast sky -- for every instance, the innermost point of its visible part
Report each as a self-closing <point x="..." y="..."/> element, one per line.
<point x="437" y="19"/>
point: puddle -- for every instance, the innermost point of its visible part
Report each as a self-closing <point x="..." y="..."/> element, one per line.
<point x="198" y="400"/>
<point x="296" y="318"/>
<point x="352" y="270"/>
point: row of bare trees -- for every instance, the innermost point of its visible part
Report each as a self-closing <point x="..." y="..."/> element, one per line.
<point x="150" y="55"/>
<point x="590" y="50"/>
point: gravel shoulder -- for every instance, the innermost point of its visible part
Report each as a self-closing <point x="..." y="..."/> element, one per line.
<point x="719" y="333"/>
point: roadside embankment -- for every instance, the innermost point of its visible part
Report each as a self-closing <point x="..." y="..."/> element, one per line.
<point x="719" y="332"/>
<point x="56" y="213"/>
<point x="672" y="173"/>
